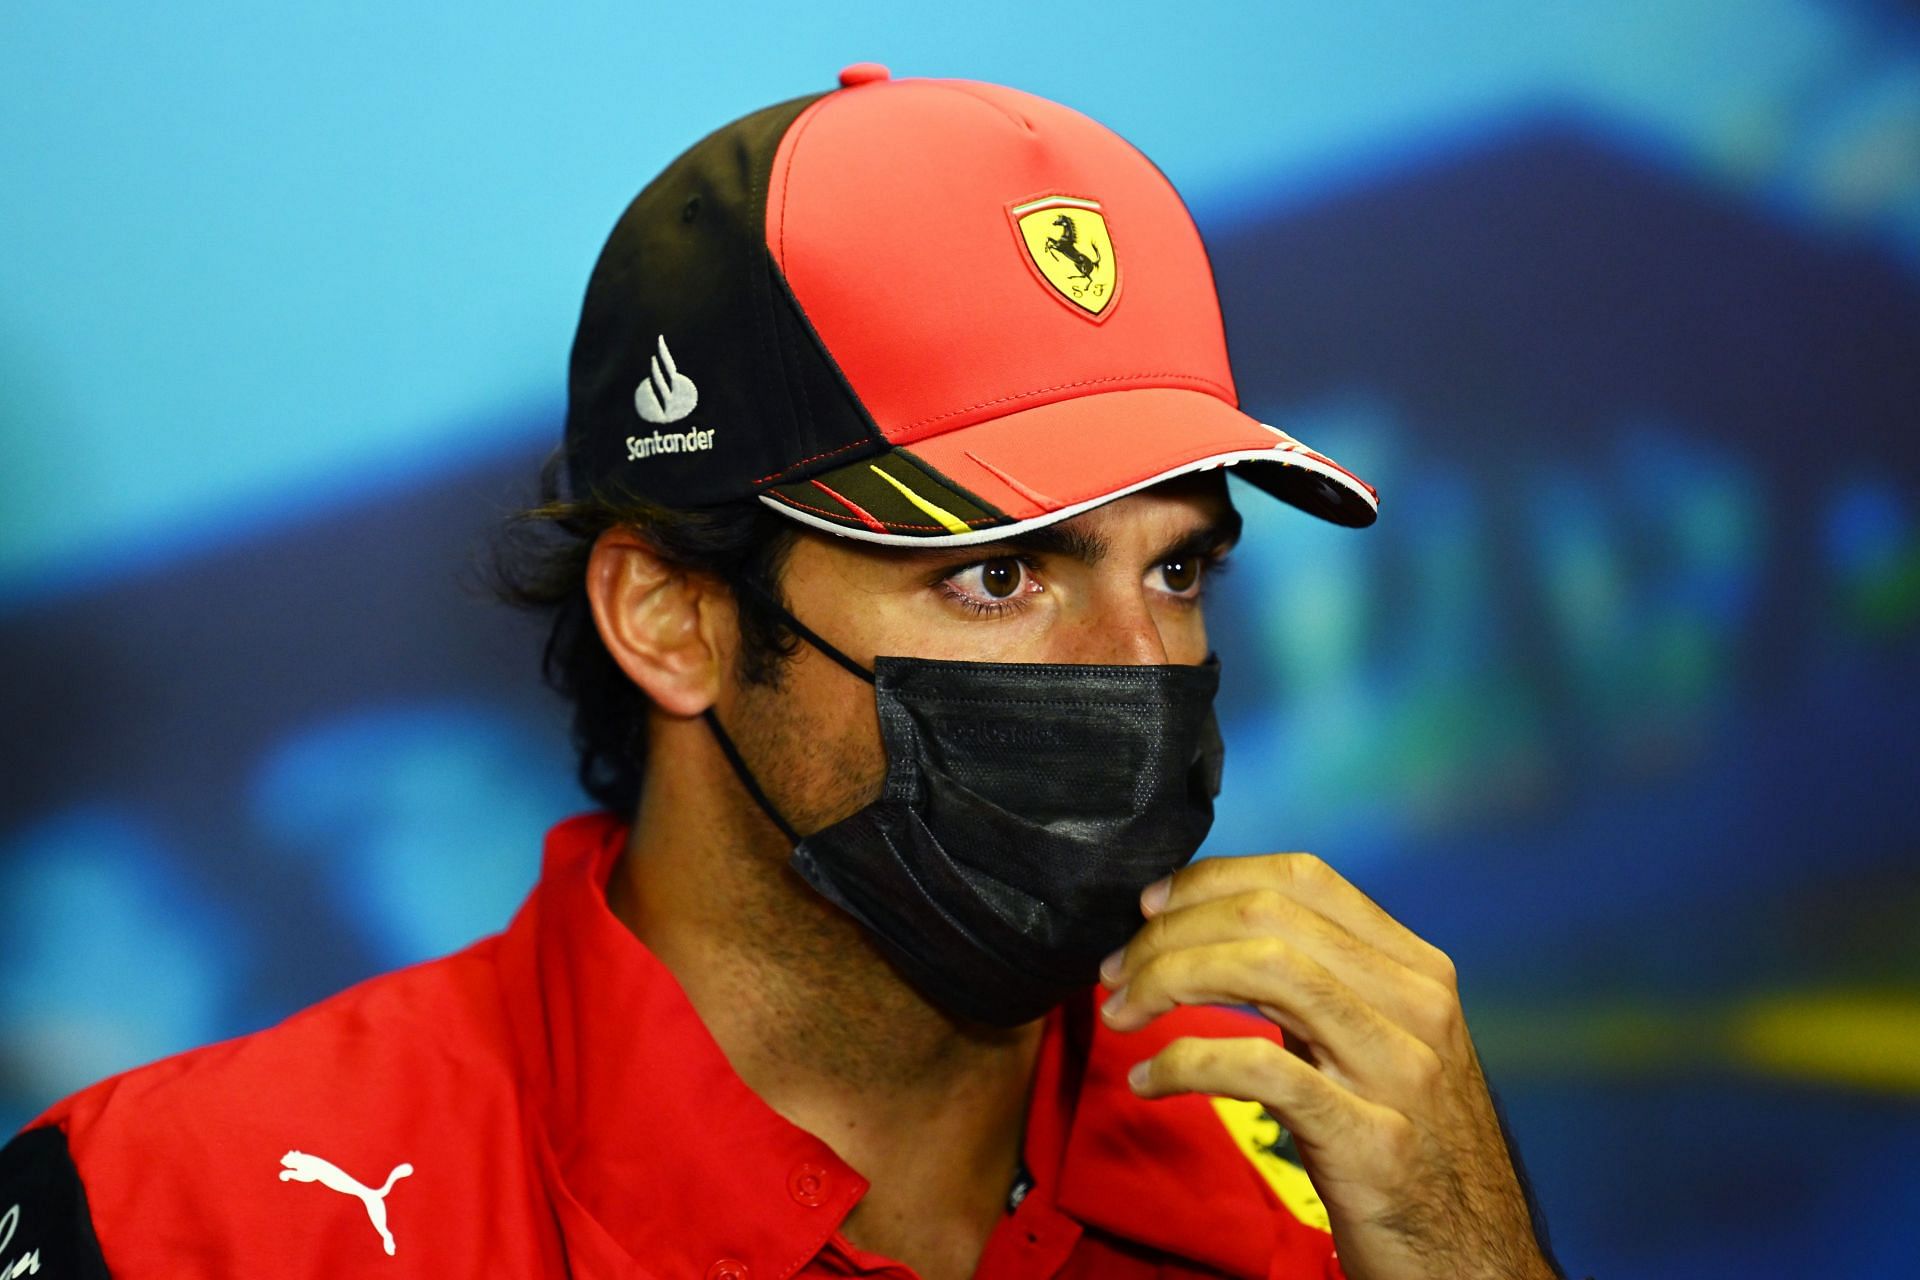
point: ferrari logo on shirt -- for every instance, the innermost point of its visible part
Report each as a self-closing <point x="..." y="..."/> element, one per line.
<point x="1067" y="239"/>
<point x="1265" y="1142"/>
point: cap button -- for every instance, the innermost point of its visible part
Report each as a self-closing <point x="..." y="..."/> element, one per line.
<point x="862" y="73"/>
<point x="728" y="1269"/>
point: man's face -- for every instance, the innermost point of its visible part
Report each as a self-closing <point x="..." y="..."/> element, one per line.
<point x="1119" y="584"/>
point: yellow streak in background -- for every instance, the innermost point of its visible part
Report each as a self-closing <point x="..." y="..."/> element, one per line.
<point x="1860" y="1039"/>
<point x="1867" y="1039"/>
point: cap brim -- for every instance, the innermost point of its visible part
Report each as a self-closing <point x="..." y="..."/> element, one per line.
<point x="1024" y="470"/>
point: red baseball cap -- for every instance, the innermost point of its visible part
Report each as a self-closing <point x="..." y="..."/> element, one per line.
<point x="917" y="312"/>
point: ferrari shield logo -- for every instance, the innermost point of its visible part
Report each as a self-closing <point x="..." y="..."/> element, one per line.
<point x="1067" y="239"/>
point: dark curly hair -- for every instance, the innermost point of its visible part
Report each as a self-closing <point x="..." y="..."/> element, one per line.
<point x="539" y="563"/>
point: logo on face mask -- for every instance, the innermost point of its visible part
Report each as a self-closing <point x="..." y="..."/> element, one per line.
<point x="1004" y="733"/>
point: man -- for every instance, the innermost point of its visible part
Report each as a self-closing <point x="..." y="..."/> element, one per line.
<point x="893" y="477"/>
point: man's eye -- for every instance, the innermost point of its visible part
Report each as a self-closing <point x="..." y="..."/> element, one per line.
<point x="1180" y="575"/>
<point x="993" y="579"/>
<point x="1000" y="578"/>
<point x="997" y="584"/>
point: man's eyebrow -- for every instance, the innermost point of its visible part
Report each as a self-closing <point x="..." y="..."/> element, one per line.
<point x="1061" y="540"/>
<point x="1089" y="548"/>
<point x="1053" y="540"/>
<point x="1215" y="538"/>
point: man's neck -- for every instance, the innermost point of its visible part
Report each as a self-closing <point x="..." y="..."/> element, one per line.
<point x="929" y="1110"/>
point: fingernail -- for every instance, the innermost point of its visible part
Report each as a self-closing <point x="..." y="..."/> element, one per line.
<point x="1110" y="967"/>
<point x="1113" y="1002"/>
<point x="1154" y="896"/>
<point x="1137" y="1076"/>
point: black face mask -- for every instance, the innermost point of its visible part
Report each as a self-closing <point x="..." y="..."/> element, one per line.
<point x="1026" y="805"/>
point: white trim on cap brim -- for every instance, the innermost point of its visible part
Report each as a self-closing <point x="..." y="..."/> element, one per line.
<point x="1283" y="454"/>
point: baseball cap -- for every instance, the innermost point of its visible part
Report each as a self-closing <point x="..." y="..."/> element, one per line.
<point x="915" y="311"/>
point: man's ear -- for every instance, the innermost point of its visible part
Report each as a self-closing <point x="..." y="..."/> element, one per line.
<point x="660" y="622"/>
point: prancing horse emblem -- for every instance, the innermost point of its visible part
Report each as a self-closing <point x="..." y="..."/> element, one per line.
<point x="301" y="1167"/>
<point x="1067" y="245"/>
<point x="1067" y="239"/>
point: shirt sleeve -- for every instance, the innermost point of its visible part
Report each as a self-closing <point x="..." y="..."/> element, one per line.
<point x="45" y="1227"/>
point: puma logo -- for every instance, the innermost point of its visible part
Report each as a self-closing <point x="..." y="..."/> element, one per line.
<point x="301" y="1167"/>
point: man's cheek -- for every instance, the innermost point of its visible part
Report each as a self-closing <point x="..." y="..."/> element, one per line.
<point x="1183" y="631"/>
<point x="836" y="759"/>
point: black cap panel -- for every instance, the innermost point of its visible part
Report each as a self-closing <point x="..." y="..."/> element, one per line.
<point x="695" y="378"/>
<point x="830" y="425"/>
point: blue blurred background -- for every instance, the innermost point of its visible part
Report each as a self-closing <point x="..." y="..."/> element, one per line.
<point x="1617" y="303"/>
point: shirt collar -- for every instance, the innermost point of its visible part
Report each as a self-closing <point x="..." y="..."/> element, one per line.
<point x="645" y="1124"/>
<point x="1164" y="1172"/>
<point x="661" y="1152"/>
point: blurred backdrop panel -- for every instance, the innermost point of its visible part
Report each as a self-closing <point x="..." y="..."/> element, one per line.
<point x="1618" y="303"/>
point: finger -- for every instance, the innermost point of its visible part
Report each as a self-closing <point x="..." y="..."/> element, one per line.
<point x="1403" y="995"/>
<point x="1321" y="1114"/>
<point x="1351" y="1040"/>
<point x="1312" y="881"/>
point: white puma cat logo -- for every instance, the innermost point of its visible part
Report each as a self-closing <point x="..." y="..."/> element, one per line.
<point x="301" y="1167"/>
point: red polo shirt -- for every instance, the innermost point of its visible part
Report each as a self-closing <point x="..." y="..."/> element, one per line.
<point x="547" y="1102"/>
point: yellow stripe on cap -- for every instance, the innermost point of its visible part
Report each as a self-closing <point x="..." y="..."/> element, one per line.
<point x="1257" y="1133"/>
<point x="949" y="521"/>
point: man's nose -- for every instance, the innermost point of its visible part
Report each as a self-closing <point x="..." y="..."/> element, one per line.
<point x="1114" y="627"/>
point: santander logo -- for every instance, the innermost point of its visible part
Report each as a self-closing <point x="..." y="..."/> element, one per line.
<point x="667" y="395"/>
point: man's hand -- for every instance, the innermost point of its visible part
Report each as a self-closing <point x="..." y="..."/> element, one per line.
<point x="1382" y="1089"/>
